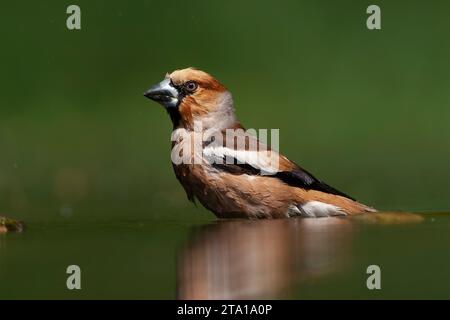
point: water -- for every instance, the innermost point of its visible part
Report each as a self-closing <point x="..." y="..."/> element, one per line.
<point x="294" y="259"/>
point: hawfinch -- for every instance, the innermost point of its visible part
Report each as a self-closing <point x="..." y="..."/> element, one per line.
<point x="228" y="169"/>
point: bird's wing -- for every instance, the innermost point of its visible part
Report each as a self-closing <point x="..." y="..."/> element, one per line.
<point x="254" y="158"/>
<point x="299" y="177"/>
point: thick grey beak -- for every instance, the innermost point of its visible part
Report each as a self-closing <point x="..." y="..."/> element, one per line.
<point x="164" y="93"/>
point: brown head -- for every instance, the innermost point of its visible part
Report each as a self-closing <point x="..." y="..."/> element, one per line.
<point x="193" y="95"/>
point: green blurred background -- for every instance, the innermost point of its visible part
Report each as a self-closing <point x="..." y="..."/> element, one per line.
<point x="366" y="111"/>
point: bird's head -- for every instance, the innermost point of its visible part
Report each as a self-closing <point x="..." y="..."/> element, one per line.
<point x="191" y="95"/>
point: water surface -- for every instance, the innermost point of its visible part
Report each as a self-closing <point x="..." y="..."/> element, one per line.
<point x="293" y="259"/>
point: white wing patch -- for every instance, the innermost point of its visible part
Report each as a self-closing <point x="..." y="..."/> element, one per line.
<point x="315" y="209"/>
<point x="266" y="162"/>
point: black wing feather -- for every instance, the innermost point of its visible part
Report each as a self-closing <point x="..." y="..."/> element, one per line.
<point x="296" y="178"/>
<point x="303" y="179"/>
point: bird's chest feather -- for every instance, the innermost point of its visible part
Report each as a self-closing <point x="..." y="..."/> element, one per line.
<point x="197" y="176"/>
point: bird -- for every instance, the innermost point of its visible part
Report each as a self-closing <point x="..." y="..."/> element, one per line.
<point x="227" y="168"/>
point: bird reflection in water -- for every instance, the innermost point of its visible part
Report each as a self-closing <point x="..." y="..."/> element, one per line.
<point x="261" y="259"/>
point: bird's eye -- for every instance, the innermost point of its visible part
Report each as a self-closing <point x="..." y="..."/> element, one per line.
<point x="191" y="86"/>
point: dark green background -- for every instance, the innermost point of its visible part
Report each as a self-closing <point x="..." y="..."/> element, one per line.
<point x="366" y="111"/>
